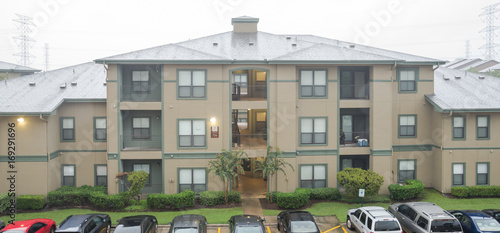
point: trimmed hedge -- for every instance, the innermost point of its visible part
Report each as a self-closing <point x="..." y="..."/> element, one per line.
<point x="475" y="191"/>
<point x="293" y="200"/>
<point x="4" y="201"/>
<point x="171" y="201"/>
<point x="107" y="202"/>
<point x="211" y="198"/>
<point x="412" y="189"/>
<point x="325" y="194"/>
<point x="272" y="194"/>
<point x="30" y="202"/>
<point x="73" y="196"/>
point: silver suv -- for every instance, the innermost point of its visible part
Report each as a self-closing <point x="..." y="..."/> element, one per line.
<point x="424" y="217"/>
<point x="372" y="219"/>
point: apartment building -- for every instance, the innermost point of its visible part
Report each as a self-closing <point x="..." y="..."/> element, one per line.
<point x="9" y="70"/>
<point x="168" y="110"/>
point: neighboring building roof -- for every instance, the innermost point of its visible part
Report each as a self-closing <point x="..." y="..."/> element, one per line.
<point x="266" y="48"/>
<point x="14" y="68"/>
<point x="470" y="93"/>
<point x="41" y="93"/>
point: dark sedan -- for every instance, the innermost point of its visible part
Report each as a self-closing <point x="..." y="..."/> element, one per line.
<point x="293" y="221"/>
<point x="246" y="224"/>
<point x="188" y="223"/>
<point x="2" y="224"/>
<point x="475" y="221"/>
<point x="137" y="224"/>
<point x="86" y="223"/>
<point x="495" y="213"/>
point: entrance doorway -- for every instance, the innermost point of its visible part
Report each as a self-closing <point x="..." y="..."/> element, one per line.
<point x="251" y="184"/>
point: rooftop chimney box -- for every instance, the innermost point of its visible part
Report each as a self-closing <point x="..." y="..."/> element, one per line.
<point x="244" y="24"/>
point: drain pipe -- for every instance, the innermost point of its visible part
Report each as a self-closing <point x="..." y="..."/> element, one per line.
<point x="46" y="147"/>
<point x="437" y="67"/>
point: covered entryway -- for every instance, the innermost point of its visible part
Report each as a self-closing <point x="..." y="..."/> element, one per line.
<point x="251" y="184"/>
<point x="150" y="166"/>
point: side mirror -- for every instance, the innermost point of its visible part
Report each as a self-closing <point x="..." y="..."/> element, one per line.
<point x="154" y="219"/>
<point x="279" y="217"/>
<point x="118" y="220"/>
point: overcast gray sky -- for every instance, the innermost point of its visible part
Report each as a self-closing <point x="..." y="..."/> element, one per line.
<point x="79" y="31"/>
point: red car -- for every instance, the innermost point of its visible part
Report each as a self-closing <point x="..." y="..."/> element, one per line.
<point x="39" y="225"/>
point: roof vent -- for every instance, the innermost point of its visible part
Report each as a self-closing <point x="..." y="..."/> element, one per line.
<point x="457" y="77"/>
<point x="215" y="43"/>
<point x="63" y="85"/>
<point x="481" y="77"/>
<point x="352" y="46"/>
<point x="288" y="37"/>
<point x="251" y="43"/>
<point x="73" y="83"/>
<point x="446" y="78"/>
<point x="294" y="44"/>
<point x="32" y="83"/>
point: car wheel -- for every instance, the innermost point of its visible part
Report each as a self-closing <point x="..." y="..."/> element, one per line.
<point x="53" y="229"/>
<point x="348" y="223"/>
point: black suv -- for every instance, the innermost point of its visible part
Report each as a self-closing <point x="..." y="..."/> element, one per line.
<point x="292" y="221"/>
<point x="246" y="224"/>
<point x="188" y="223"/>
<point x="137" y="224"/>
<point x="86" y="223"/>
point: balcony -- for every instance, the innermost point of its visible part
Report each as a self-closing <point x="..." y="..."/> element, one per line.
<point x="354" y="126"/>
<point x="249" y="129"/>
<point x="354" y="83"/>
<point x="141" y="83"/>
<point x="131" y="143"/>
<point x="141" y="130"/>
<point x="249" y="85"/>
<point x="132" y="94"/>
<point x="249" y="141"/>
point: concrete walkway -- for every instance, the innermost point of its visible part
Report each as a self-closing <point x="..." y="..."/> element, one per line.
<point x="251" y="206"/>
<point x="251" y="190"/>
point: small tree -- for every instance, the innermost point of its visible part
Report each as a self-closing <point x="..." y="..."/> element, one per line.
<point x="137" y="181"/>
<point x="354" y="179"/>
<point x="227" y="166"/>
<point x="272" y="164"/>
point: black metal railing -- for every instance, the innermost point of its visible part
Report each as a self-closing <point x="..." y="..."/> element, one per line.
<point x="249" y="92"/>
<point x="141" y="142"/>
<point x="249" y="141"/>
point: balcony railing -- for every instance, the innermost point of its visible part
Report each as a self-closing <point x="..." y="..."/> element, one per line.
<point x="148" y="95"/>
<point x="249" y="92"/>
<point x="131" y="143"/>
<point x="350" y="139"/>
<point x="249" y="141"/>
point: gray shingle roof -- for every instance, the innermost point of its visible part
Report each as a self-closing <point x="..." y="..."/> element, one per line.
<point x="262" y="47"/>
<point x="468" y="93"/>
<point x="9" y="67"/>
<point x="18" y="96"/>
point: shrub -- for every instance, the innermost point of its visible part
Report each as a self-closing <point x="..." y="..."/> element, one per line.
<point x="293" y="200"/>
<point x="73" y="196"/>
<point x="107" y="202"/>
<point x="211" y="198"/>
<point x="234" y="196"/>
<point x="354" y="179"/>
<point x="137" y="181"/>
<point x="475" y="191"/>
<point x="171" y="201"/>
<point x="412" y="189"/>
<point x="271" y="197"/>
<point x="325" y="194"/>
<point x="4" y="201"/>
<point x="30" y="202"/>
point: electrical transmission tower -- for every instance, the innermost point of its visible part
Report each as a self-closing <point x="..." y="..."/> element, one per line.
<point x="25" y="25"/>
<point x="467" y="49"/>
<point x="46" y="57"/>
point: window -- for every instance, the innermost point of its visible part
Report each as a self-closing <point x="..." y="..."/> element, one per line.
<point x="68" y="175"/>
<point x="407" y="79"/>
<point x="193" y="179"/>
<point x="192" y="133"/>
<point x="68" y="129"/>
<point x="100" y="129"/>
<point x="423" y="222"/>
<point x="407" y="126"/>
<point x="140" y="81"/>
<point x="313" y="176"/>
<point x="482" y="174"/>
<point x="459" y="127"/>
<point x="191" y="84"/>
<point x="369" y="223"/>
<point x="362" y="219"/>
<point x="36" y="227"/>
<point x="140" y="128"/>
<point x="406" y="170"/>
<point x="143" y="167"/>
<point x="313" y="130"/>
<point x="101" y="175"/>
<point x="313" y="83"/>
<point x="483" y="127"/>
<point x="354" y="83"/>
<point x="458" y="174"/>
<point x="241" y="82"/>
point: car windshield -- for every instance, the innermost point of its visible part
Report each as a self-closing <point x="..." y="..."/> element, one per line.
<point x="303" y="226"/>
<point x="387" y="226"/>
<point x="248" y="229"/>
<point x="185" y="230"/>
<point x="487" y="224"/>
<point x="445" y="225"/>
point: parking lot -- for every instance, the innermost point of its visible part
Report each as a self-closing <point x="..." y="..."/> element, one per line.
<point x="327" y="224"/>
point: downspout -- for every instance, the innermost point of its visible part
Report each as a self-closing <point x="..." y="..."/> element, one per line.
<point x="46" y="148"/>
<point x="394" y="67"/>
<point x="437" y="67"/>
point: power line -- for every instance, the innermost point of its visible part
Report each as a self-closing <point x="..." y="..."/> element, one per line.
<point x="25" y="26"/>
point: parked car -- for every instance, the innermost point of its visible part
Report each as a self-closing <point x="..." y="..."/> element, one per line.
<point x="372" y="219"/>
<point x="495" y="213"/>
<point x="188" y="223"/>
<point x="2" y="225"/>
<point x="137" y="224"/>
<point x="86" y="223"/>
<point x="424" y="217"/>
<point x="246" y="224"/>
<point x="293" y="221"/>
<point x="475" y="221"/>
<point x="39" y="225"/>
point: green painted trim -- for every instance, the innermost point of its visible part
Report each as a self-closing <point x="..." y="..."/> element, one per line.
<point x="331" y="80"/>
<point x="244" y="20"/>
<point x="489" y="172"/>
<point x="399" y="126"/>
<point x="170" y="81"/>
<point x="381" y="152"/>
<point x="284" y="81"/>
<point x="436" y="107"/>
<point x="453" y="173"/>
<point x="192" y="147"/>
<point x="380" y="81"/>
<point x="415" y="168"/>
<point x="398" y="71"/>
<point x="289" y="154"/>
<point x="61" y="129"/>
<point x="25" y="158"/>
<point x="55" y="154"/>
<point x="313" y="97"/>
<point x="423" y="147"/>
<point x="217" y="81"/>
<point x="96" y="100"/>
<point x="338" y="122"/>
<point x="95" y="133"/>
<point x="464" y="119"/>
<point x="316" y="164"/>
<point x="334" y="62"/>
<point x="119" y="74"/>
<point x="488" y="126"/>
<point x="425" y="80"/>
<point x="317" y="152"/>
<point x="471" y="148"/>
<point x="192" y="155"/>
<point x="113" y="156"/>
<point x="162" y="114"/>
<point x="300" y="131"/>
<point x="177" y="85"/>
<point x="95" y="173"/>
<point x="112" y="81"/>
<point x="192" y="177"/>
<point x="62" y="174"/>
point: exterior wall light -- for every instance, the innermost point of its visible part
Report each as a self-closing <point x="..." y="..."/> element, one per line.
<point x="212" y="120"/>
<point x="20" y="119"/>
